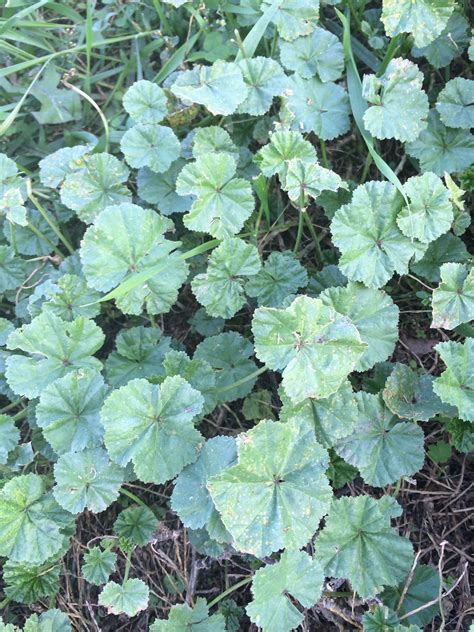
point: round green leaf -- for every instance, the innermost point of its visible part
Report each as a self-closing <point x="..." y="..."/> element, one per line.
<point x="453" y="299"/>
<point x="424" y="19"/>
<point x="283" y="147"/>
<point x="331" y="418"/>
<point x="68" y="411"/>
<point x="99" y="183"/>
<point x="129" y="598"/>
<point x="294" y="18"/>
<point x="296" y="575"/>
<point x="70" y="297"/>
<point x="136" y="524"/>
<point x="455" y="103"/>
<point x="197" y="372"/>
<point x="145" y="102"/>
<point x="322" y="108"/>
<point x="281" y="276"/>
<point x="442" y="149"/>
<point x="373" y="313"/>
<point x="398" y="107"/>
<point x="183" y="618"/>
<point x="12" y="269"/>
<point x="265" y="79"/>
<point x="213" y="140"/>
<point x="319" y="54"/>
<point x="223" y="202"/>
<point x="98" y="565"/>
<point x="152" y="146"/>
<point x="221" y="288"/>
<point x="411" y="396"/>
<point x="381" y="447"/>
<point x="277" y="493"/>
<point x="314" y="346"/>
<point x="56" y="347"/>
<point x="86" y="479"/>
<point x="10" y="436"/>
<point x="455" y="386"/>
<point x="27" y="584"/>
<point x="449" y="44"/>
<point x="190" y="498"/>
<point x="126" y="240"/>
<point x="358" y="544"/>
<point x="30" y="521"/>
<point x="431" y="210"/>
<point x="159" y="189"/>
<point x="56" y="166"/>
<point x="309" y="179"/>
<point x="220" y="87"/>
<point x="152" y="426"/>
<point x="447" y="248"/>
<point x="366" y="232"/>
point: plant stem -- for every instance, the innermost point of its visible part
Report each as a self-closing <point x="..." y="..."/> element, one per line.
<point x="389" y="55"/>
<point x="324" y="154"/>
<point x="52" y="224"/>
<point x="96" y="108"/>
<point x="245" y="379"/>
<point x="131" y="495"/>
<point x="43" y="237"/>
<point x="299" y="233"/>
<point x="12" y="405"/>
<point x="229" y="591"/>
<point x="317" y="245"/>
<point x="128" y="564"/>
<point x="21" y="415"/>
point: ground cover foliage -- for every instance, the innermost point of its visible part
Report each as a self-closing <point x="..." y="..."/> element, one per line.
<point x="237" y="357"/>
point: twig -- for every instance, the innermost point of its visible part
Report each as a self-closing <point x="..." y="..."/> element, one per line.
<point x="408" y="581"/>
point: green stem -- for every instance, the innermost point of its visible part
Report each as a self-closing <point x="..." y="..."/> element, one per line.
<point x="165" y="25"/>
<point x="128" y="564"/>
<point x="230" y="590"/>
<point x="54" y="227"/>
<point x="21" y="415"/>
<point x="397" y="487"/>
<point x="324" y="154"/>
<point x="389" y="55"/>
<point x="4" y="603"/>
<point x="12" y="405"/>
<point x="131" y="495"/>
<point x="43" y="237"/>
<point x="13" y="237"/>
<point x="317" y="245"/>
<point x="299" y="233"/>
<point x="365" y="172"/>
<point x="245" y="379"/>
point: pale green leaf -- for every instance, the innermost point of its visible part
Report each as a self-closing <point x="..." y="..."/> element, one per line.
<point x="265" y="79"/>
<point x="431" y="210"/>
<point x="27" y="584"/>
<point x="455" y="103"/>
<point x="411" y="396"/>
<point x="152" y="146"/>
<point x="281" y="276"/>
<point x="70" y="298"/>
<point x="145" y="102"/>
<point x="68" y="411"/>
<point x="221" y="288"/>
<point x="295" y="576"/>
<point x="447" y="248"/>
<point x="28" y="242"/>
<point x="449" y="44"/>
<point x="398" y="106"/>
<point x="30" y="521"/>
<point x="319" y="54"/>
<point x="366" y="232"/>
<point x="277" y="493"/>
<point x="453" y="299"/>
<point x="442" y="149"/>
<point x="159" y="189"/>
<point x="190" y="498"/>
<point x="136" y="524"/>
<point x="12" y="206"/>
<point x="12" y="269"/>
<point x="10" y="436"/>
<point x="382" y="447"/>
<point x="99" y="182"/>
<point x="128" y="598"/>
<point x="358" y="544"/>
<point x="223" y="202"/>
<point x="305" y="180"/>
<point x="98" y="565"/>
<point x="58" y="105"/>
<point x="314" y="346"/>
<point x="56" y="166"/>
<point x="197" y="372"/>
<point x="229" y="355"/>
<point x="139" y="354"/>
<point x="322" y="108"/>
<point x="331" y="418"/>
<point x="56" y="347"/>
<point x="50" y="621"/>
<point x="86" y="479"/>
<point x="283" y="147"/>
<point x="214" y="140"/>
<point x="382" y="619"/>
<point x="294" y="18"/>
<point x="424" y="19"/>
<point x="152" y="426"/>
<point x="220" y="87"/>
<point x="455" y="386"/>
<point x="373" y="313"/>
<point x="127" y="240"/>
<point x="183" y="618"/>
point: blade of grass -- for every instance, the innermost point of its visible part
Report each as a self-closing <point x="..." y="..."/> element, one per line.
<point x="177" y="58"/>
<point x="89" y="41"/>
<point x="252" y="40"/>
<point x="8" y="24"/>
<point x="359" y="105"/>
